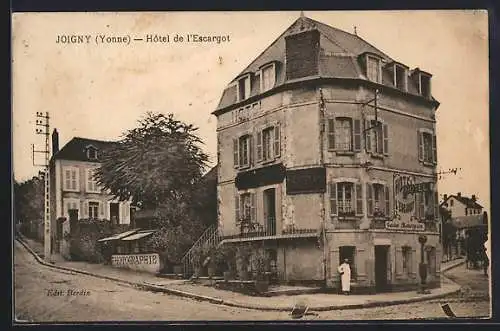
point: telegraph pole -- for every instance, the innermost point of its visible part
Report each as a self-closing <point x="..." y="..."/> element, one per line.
<point x="43" y="128"/>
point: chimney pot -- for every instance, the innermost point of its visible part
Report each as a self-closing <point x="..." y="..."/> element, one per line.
<point x="459" y="194"/>
<point x="474" y="198"/>
<point x="445" y="197"/>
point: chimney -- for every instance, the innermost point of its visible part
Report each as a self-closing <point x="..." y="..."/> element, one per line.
<point x="474" y="198"/>
<point x="302" y="47"/>
<point x="445" y="197"/>
<point x="55" y="142"/>
<point x="459" y="194"/>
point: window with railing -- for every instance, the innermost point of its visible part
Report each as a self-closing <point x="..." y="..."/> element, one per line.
<point x="344" y="134"/>
<point x="345" y="199"/>
<point x="377" y="196"/>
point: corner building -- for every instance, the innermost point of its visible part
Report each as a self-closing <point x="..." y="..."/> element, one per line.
<point x="327" y="150"/>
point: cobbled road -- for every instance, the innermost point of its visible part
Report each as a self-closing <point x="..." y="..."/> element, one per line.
<point x="35" y="286"/>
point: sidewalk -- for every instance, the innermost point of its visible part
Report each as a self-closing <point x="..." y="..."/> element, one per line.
<point x="316" y="302"/>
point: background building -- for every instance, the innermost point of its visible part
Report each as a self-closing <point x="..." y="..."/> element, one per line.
<point x="72" y="185"/>
<point x="324" y="139"/>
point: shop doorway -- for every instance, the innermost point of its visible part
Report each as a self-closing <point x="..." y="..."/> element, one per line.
<point x="381" y="267"/>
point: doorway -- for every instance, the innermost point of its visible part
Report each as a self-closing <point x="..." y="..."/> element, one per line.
<point x="114" y="213"/>
<point x="270" y="211"/>
<point x="381" y="267"/>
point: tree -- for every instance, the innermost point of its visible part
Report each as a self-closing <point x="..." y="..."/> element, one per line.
<point x="160" y="160"/>
<point x="29" y="202"/>
<point x="159" y="165"/>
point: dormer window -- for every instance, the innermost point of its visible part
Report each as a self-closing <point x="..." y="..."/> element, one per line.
<point x="267" y="77"/>
<point x="424" y="85"/>
<point x="92" y="153"/>
<point x="400" y="77"/>
<point x="373" y="69"/>
<point x="244" y="87"/>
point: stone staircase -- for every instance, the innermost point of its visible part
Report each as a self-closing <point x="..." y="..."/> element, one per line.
<point x="192" y="261"/>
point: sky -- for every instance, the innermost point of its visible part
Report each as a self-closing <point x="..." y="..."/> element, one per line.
<point x="100" y="90"/>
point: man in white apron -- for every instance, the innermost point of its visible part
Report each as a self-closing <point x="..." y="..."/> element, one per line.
<point x="345" y="276"/>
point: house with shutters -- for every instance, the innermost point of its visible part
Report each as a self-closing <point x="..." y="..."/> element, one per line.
<point x="73" y="186"/>
<point x="326" y="151"/>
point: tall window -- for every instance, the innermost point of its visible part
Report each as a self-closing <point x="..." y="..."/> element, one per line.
<point x="425" y="85"/>
<point x="373" y="69"/>
<point x="245" y="206"/>
<point x="345" y="199"/>
<point x="344" y="134"/>
<point x="377" y="196"/>
<point x="428" y="204"/>
<point x="377" y="137"/>
<point x="93" y="209"/>
<point x="242" y="148"/>
<point x="268" y="78"/>
<point x="400" y="77"/>
<point x="91" y="181"/>
<point x="71" y="179"/>
<point x="267" y="143"/>
<point x="427" y="151"/>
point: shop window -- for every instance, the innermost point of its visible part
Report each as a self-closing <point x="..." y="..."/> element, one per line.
<point x="348" y="252"/>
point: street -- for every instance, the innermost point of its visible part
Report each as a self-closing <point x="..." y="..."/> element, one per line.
<point x="41" y="295"/>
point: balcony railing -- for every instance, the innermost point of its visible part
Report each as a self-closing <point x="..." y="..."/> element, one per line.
<point x="248" y="230"/>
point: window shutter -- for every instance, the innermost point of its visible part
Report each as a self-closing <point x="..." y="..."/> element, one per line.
<point x="369" y="198"/>
<point x="251" y="153"/>
<point x="331" y="133"/>
<point x="436" y="205"/>
<point x="368" y="141"/>
<point x="357" y="135"/>
<point x="277" y="141"/>
<point x="237" y="207"/>
<point x="67" y="179"/>
<point x="85" y="212"/>
<point x="420" y="140"/>
<point x="417" y="208"/>
<point x="434" y="149"/>
<point x="386" y="139"/>
<point x="387" y="201"/>
<point x="359" y="199"/>
<point x="101" y="209"/>
<point x="379" y="138"/>
<point x="252" y="207"/>
<point x="421" y="205"/>
<point x="333" y="199"/>
<point x="87" y="180"/>
<point x="259" y="146"/>
<point x="236" y="152"/>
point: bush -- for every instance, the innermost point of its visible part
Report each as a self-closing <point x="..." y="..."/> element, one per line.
<point x="84" y="235"/>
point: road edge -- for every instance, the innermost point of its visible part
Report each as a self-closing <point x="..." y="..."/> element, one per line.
<point x="156" y="288"/>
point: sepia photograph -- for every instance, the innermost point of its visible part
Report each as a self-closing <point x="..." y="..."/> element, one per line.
<point x="250" y="166"/>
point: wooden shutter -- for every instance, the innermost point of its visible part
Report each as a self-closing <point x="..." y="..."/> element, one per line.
<point x="386" y="139"/>
<point x="252" y="207"/>
<point x="101" y="209"/>
<point x="67" y="179"/>
<point x="421" y="204"/>
<point x="237" y="207"/>
<point x="387" y="201"/>
<point x="85" y="212"/>
<point x="259" y="146"/>
<point x="434" y="149"/>
<point x="369" y="198"/>
<point x="359" y="199"/>
<point x="277" y="141"/>
<point x="379" y="138"/>
<point x="251" y="153"/>
<point x="357" y="135"/>
<point x="333" y="199"/>
<point x="368" y="141"/>
<point x="236" y="153"/>
<point x="331" y="133"/>
<point x="436" y="205"/>
<point x="420" y="139"/>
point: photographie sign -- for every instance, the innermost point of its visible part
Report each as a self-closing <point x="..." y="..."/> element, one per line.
<point x="140" y="262"/>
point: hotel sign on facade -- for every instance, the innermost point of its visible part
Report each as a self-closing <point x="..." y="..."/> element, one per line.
<point x="405" y="188"/>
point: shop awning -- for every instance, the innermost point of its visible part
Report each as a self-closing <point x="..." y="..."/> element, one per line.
<point x="119" y="235"/>
<point x="138" y="235"/>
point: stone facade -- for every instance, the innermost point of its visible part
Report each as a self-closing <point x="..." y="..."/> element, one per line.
<point x="327" y="168"/>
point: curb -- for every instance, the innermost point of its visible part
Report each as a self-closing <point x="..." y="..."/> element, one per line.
<point x="156" y="288"/>
<point x="461" y="262"/>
